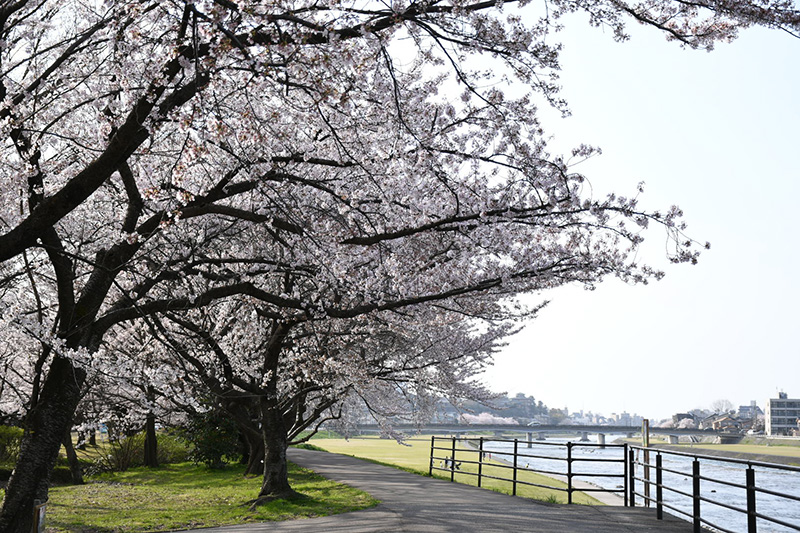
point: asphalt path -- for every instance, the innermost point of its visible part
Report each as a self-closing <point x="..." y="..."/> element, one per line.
<point x="413" y="503"/>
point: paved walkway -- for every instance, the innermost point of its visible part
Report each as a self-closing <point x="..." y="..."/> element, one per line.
<point x="418" y="504"/>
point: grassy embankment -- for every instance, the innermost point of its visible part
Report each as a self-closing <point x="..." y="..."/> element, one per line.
<point x="788" y="452"/>
<point x="414" y="456"/>
<point x="751" y="448"/>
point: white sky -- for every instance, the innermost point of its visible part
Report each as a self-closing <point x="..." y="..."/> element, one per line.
<point x="717" y="134"/>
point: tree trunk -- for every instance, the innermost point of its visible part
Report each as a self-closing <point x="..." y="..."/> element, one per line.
<point x="255" y="455"/>
<point x="250" y="436"/>
<point x="275" y="484"/>
<point x="45" y="427"/>
<point x="72" y="458"/>
<point x="244" y="450"/>
<point x="82" y="437"/>
<point x="150" y="442"/>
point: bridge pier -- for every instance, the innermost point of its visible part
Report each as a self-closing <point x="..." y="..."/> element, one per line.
<point x="584" y="436"/>
<point x="673" y="439"/>
<point x="540" y="435"/>
<point x="601" y="440"/>
<point x="529" y="438"/>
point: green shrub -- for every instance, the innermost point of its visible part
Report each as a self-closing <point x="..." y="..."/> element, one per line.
<point x="128" y="452"/>
<point x="307" y="446"/>
<point x="214" y="439"/>
<point x="61" y="475"/>
<point x="172" y="449"/>
<point x="121" y="454"/>
<point x="10" y="440"/>
<point x="322" y="434"/>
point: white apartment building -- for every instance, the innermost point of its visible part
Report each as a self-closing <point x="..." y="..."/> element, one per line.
<point x="782" y="415"/>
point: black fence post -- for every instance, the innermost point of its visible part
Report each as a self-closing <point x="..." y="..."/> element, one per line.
<point x="514" y="477"/>
<point x="453" y="461"/>
<point x="752" y="526"/>
<point x="430" y="467"/>
<point x="659" y="489"/>
<point x="632" y="477"/>
<point x="569" y="472"/>
<point x="480" y="460"/>
<point x="696" y="495"/>
<point x="625" y="473"/>
<point x="646" y="473"/>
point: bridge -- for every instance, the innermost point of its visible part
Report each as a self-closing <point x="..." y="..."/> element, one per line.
<point x="545" y="428"/>
<point x="540" y="432"/>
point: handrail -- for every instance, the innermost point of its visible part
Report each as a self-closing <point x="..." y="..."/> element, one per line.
<point x="647" y="462"/>
<point x="751" y="491"/>
<point x="451" y="463"/>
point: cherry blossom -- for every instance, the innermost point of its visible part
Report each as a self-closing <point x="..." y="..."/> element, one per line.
<point x="326" y="165"/>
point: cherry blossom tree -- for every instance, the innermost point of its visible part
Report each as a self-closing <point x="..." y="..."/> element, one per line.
<point x="280" y="380"/>
<point x="487" y="418"/>
<point x="367" y="164"/>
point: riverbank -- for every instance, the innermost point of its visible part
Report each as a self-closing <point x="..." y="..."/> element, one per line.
<point x="724" y="450"/>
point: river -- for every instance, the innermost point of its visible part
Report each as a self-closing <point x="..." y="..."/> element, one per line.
<point x="772" y="479"/>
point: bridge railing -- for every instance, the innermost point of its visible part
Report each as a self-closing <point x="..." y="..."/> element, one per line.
<point x="720" y="483"/>
<point x="448" y="456"/>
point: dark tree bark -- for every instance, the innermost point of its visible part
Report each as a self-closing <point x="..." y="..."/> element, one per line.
<point x="72" y="458"/>
<point x="82" y="438"/>
<point x="255" y="456"/>
<point x="150" y="442"/>
<point x="45" y="427"/>
<point x="275" y="484"/>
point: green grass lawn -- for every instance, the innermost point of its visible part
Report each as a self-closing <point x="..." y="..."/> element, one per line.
<point x="782" y="450"/>
<point x="188" y="496"/>
<point x="414" y="456"/>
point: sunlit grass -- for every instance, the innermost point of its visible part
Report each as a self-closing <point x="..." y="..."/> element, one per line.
<point x="414" y="455"/>
<point x="188" y="496"/>
<point x="781" y="450"/>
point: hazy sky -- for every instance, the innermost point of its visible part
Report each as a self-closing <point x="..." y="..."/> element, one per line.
<point x="717" y="134"/>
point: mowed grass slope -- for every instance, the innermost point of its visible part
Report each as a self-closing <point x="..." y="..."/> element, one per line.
<point x="188" y="496"/>
<point x="783" y="451"/>
<point x="785" y="454"/>
<point x="414" y="455"/>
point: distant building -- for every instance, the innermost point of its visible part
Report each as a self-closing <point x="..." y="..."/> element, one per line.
<point x="781" y="417"/>
<point x="726" y="423"/>
<point x="750" y="411"/>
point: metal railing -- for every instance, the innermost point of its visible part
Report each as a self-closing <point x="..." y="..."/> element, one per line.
<point x="446" y="456"/>
<point x="703" y="489"/>
<point x="739" y="474"/>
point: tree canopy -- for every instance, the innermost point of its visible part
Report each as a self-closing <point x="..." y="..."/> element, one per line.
<point x="344" y="171"/>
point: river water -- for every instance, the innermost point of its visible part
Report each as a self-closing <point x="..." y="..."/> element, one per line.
<point x="771" y="479"/>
